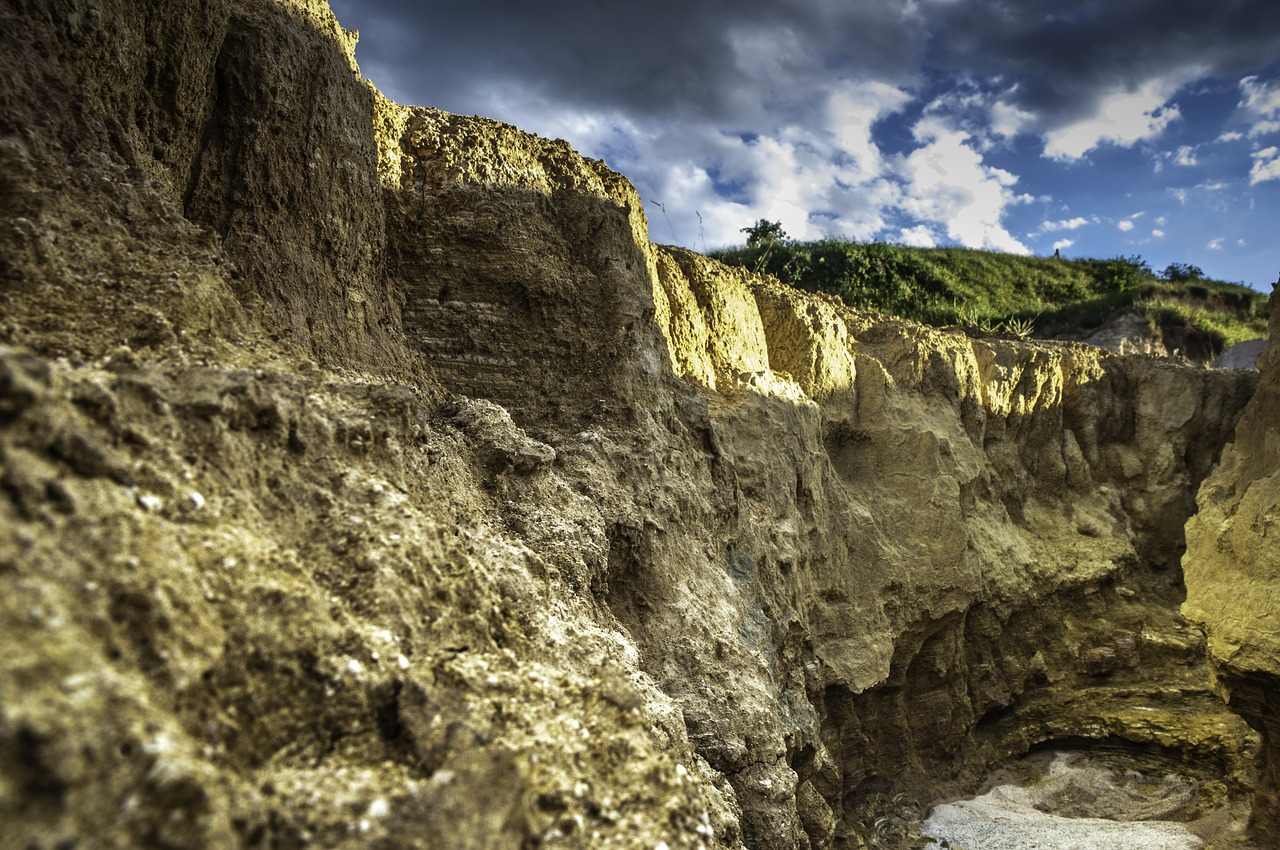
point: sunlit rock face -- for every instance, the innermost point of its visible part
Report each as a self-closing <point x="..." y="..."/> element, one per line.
<point x="1233" y="576"/>
<point x="368" y="479"/>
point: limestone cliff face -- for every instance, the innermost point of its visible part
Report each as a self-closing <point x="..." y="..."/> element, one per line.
<point x="1233" y="575"/>
<point x="367" y="478"/>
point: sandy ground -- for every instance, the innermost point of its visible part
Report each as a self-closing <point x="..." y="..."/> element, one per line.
<point x="1078" y="805"/>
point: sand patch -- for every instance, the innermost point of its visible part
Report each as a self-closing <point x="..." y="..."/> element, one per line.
<point x="1078" y="804"/>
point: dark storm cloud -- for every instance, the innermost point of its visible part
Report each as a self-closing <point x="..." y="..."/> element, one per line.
<point x="1065" y="56"/>
<point x="661" y="58"/>
<point x="676" y="58"/>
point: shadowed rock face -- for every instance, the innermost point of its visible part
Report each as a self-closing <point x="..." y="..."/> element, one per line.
<point x="1233" y="576"/>
<point x="367" y="478"/>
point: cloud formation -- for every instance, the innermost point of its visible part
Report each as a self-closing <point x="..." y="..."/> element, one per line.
<point x="1262" y="103"/>
<point x="1064" y="224"/>
<point x="1120" y="117"/>
<point x="1266" y="165"/>
<point x="1071" y="59"/>
<point x="947" y="182"/>
<point x="914" y="121"/>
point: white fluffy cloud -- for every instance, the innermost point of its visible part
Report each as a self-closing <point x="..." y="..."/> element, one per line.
<point x="1062" y="243"/>
<point x="920" y="236"/>
<point x="1064" y="224"/>
<point x="1262" y="102"/>
<point x="1126" y="225"/>
<point x="948" y="182"/>
<point x="827" y="179"/>
<point x="1266" y="165"/>
<point x="852" y="110"/>
<point x="1123" y="117"/>
<point x="1007" y="120"/>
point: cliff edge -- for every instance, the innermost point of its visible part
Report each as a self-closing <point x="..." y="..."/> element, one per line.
<point x="368" y="479"/>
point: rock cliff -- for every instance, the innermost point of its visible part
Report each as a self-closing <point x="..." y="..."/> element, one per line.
<point x="368" y="479"/>
<point x="1233" y="576"/>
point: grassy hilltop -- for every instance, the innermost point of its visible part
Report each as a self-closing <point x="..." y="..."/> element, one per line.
<point x="990" y="292"/>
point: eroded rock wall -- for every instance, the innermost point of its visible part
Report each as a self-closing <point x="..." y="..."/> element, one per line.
<point x="367" y="478"/>
<point x="1232" y="566"/>
<point x="205" y="169"/>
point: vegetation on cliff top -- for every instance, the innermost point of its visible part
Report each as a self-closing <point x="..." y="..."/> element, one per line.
<point x="991" y="292"/>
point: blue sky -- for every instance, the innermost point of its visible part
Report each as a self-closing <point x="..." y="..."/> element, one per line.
<point x="1094" y="127"/>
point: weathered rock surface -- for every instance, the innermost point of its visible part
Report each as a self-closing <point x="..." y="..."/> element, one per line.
<point x="1242" y="355"/>
<point x="1129" y="333"/>
<point x="1233" y="575"/>
<point x="368" y="479"/>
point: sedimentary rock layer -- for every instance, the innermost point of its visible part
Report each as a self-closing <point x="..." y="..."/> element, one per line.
<point x="1233" y="575"/>
<point x="370" y="479"/>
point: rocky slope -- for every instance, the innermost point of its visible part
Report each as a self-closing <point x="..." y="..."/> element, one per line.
<point x="368" y="479"/>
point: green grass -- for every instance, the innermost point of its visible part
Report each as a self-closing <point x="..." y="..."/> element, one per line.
<point x="990" y="292"/>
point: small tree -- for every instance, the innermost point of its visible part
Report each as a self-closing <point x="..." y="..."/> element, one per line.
<point x="1181" y="272"/>
<point x="1120" y="274"/>
<point x="764" y="233"/>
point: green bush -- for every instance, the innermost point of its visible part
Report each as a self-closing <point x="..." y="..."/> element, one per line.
<point x="1119" y="274"/>
<point x="1181" y="272"/>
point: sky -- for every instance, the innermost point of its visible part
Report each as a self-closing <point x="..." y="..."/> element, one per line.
<point x="1097" y="128"/>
